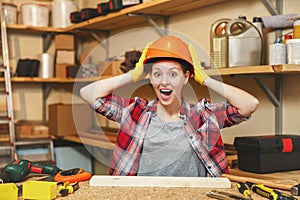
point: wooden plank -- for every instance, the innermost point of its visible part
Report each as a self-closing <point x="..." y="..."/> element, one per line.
<point x="92" y="142"/>
<point x="162" y="181"/>
<point x="109" y="137"/>
<point x="240" y="70"/>
<point x="32" y="29"/>
<point x="288" y="177"/>
<point x="272" y="184"/>
<point x="286" y="68"/>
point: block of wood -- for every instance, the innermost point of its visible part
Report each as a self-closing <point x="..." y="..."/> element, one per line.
<point x="161" y="181"/>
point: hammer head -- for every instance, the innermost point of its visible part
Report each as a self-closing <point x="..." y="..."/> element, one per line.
<point x="295" y="190"/>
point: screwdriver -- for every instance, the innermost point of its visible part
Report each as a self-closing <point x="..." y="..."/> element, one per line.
<point x="269" y="192"/>
<point x="243" y="189"/>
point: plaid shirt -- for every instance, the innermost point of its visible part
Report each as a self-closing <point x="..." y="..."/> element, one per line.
<point x="202" y="124"/>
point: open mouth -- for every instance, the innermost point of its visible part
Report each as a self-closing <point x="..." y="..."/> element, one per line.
<point x="166" y="92"/>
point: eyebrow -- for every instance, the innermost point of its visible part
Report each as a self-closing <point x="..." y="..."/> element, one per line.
<point x="172" y="68"/>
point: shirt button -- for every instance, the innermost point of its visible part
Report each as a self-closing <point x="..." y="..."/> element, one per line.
<point x="208" y="167"/>
<point x="191" y="137"/>
<point x="185" y="123"/>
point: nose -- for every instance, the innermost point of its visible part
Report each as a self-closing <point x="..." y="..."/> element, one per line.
<point x="164" y="79"/>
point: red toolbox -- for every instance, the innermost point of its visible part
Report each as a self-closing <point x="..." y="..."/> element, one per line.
<point x="269" y="153"/>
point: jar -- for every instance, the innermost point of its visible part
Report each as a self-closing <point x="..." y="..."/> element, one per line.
<point x="10" y="13"/>
<point x="277" y="53"/>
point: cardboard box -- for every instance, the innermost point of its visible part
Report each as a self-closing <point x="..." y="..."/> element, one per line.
<point x="68" y="119"/>
<point x="64" y="42"/>
<point x="61" y="70"/>
<point x="110" y="68"/>
<point x="269" y="153"/>
<point x="65" y="57"/>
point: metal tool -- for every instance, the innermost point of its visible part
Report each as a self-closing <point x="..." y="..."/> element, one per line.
<point x="295" y="190"/>
<point x="68" y="188"/>
<point x="269" y="193"/>
<point x="225" y="195"/>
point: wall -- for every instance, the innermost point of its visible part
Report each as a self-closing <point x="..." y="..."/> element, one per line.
<point x="194" y="24"/>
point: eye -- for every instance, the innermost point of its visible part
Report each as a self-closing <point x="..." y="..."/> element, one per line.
<point x="173" y="74"/>
<point x="156" y="74"/>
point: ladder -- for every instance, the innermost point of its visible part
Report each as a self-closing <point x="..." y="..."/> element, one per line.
<point x="14" y="144"/>
<point x="6" y="147"/>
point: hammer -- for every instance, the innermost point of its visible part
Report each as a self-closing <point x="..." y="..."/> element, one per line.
<point x="294" y="189"/>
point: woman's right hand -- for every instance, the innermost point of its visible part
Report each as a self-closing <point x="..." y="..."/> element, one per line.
<point x="138" y="73"/>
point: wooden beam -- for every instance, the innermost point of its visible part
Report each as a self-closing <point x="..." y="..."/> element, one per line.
<point x="161" y="181"/>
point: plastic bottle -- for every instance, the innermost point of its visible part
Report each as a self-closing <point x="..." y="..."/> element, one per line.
<point x="244" y="43"/>
<point x="257" y="21"/>
<point x="277" y="53"/>
<point x="296" y="25"/>
<point x="286" y="38"/>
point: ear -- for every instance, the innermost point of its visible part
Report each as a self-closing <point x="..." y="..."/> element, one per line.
<point x="187" y="75"/>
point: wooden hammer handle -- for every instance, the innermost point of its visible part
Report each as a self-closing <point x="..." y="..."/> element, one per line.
<point x="258" y="181"/>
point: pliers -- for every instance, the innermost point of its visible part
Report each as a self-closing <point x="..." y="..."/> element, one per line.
<point x="225" y="196"/>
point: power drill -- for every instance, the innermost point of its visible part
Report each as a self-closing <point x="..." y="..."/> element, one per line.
<point x="17" y="170"/>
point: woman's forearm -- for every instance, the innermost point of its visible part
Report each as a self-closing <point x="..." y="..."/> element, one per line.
<point x="243" y="101"/>
<point x="102" y="88"/>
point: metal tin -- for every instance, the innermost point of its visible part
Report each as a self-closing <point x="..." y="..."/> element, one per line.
<point x="293" y="51"/>
<point x="277" y="54"/>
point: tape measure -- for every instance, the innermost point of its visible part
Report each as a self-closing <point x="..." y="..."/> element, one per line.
<point x="72" y="175"/>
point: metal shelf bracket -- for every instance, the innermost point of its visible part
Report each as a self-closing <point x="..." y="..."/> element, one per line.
<point x="149" y="18"/>
<point x="275" y="98"/>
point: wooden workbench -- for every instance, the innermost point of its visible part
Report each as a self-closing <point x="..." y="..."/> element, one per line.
<point x="110" y="193"/>
<point x="120" y="193"/>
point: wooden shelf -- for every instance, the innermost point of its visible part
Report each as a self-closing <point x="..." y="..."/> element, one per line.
<point x="52" y="80"/>
<point x="105" y="140"/>
<point x="32" y="29"/>
<point x="120" y="19"/>
<point x="263" y="69"/>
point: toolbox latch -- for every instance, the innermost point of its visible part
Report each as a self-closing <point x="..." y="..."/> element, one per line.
<point x="287" y="145"/>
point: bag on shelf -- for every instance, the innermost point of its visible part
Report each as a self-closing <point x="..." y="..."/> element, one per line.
<point x="28" y="68"/>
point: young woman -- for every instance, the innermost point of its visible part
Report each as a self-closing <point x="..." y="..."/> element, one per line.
<point x="169" y="136"/>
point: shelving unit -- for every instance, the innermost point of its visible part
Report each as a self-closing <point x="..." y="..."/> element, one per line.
<point x="164" y="9"/>
<point x="254" y="70"/>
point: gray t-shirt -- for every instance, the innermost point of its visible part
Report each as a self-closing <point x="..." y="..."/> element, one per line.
<point x="167" y="152"/>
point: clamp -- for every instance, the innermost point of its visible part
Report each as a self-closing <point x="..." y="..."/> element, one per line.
<point x="68" y="188"/>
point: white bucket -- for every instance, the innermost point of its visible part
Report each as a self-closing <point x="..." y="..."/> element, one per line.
<point x="35" y="14"/>
<point x="10" y="13"/>
<point x="61" y="10"/>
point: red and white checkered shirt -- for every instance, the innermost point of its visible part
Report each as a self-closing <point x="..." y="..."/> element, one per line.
<point x="202" y="124"/>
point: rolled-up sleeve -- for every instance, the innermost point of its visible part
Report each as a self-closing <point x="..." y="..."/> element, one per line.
<point x="111" y="106"/>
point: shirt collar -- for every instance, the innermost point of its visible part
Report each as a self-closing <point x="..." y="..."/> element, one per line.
<point x="184" y="109"/>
